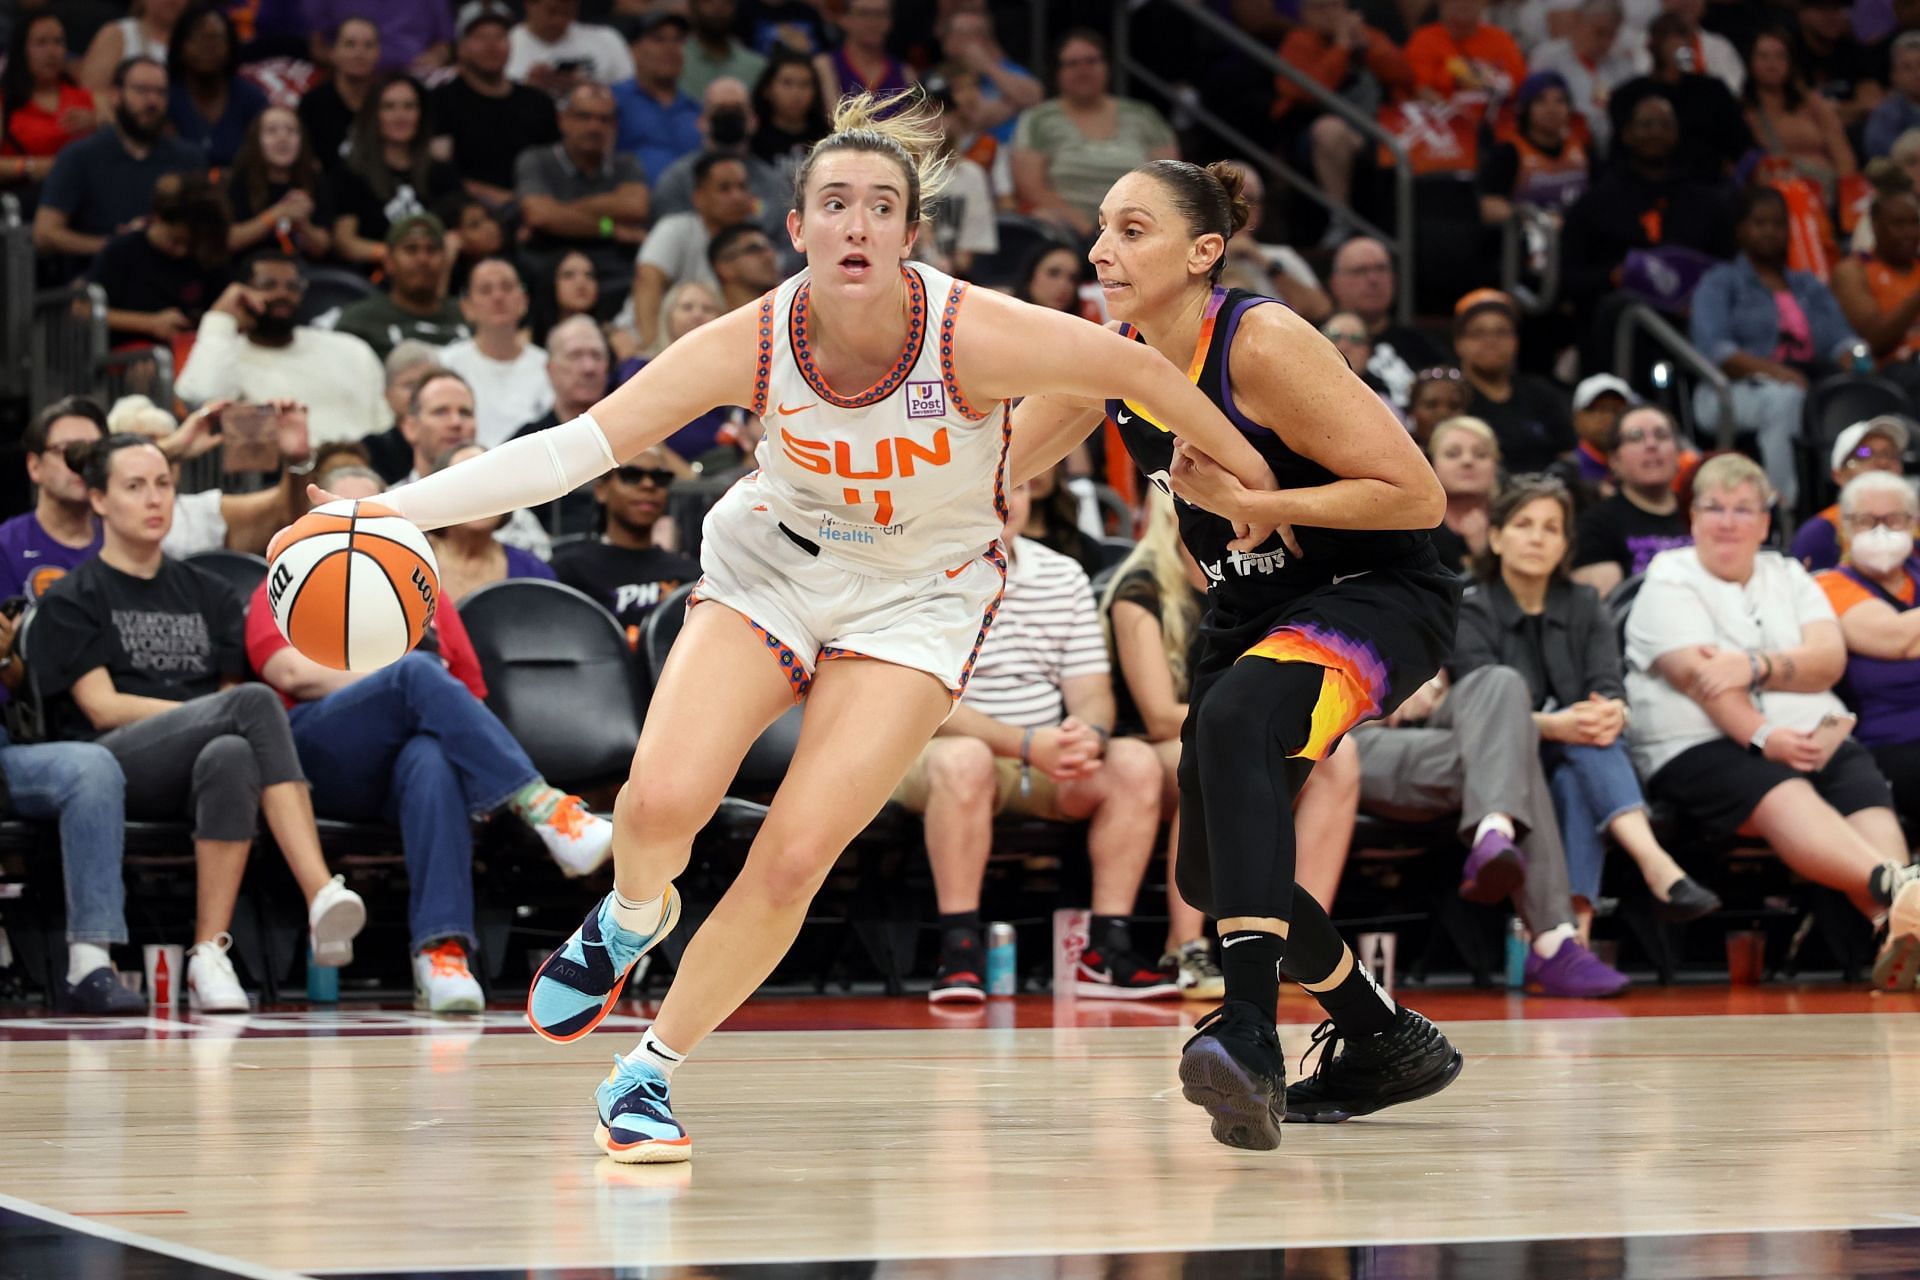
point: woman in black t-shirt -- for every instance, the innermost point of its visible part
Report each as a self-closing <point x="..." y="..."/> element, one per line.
<point x="277" y="193"/>
<point x="388" y="173"/>
<point x="145" y="654"/>
<point x="788" y="102"/>
<point x="1152" y="611"/>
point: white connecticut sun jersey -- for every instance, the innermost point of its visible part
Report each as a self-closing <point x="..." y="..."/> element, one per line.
<point x="903" y="479"/>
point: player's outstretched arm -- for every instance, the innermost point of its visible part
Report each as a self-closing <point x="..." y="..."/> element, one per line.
<point x="712" y="366"/>
<point x="1286" y="375"/>
<point x="1046" y="429"/>
<point x="1006" y="348"/>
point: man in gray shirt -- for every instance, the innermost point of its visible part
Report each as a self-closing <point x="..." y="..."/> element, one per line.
<point x="581" y="194"/>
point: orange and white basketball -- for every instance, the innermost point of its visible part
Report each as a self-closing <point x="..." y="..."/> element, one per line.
<point x="352" y="585"/>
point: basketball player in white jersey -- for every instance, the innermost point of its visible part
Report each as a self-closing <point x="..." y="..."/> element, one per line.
<point x="857" y="569"/>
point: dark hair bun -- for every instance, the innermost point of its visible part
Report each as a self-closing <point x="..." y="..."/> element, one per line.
<point x="1233" y="180"/>
<point x="78" y="455"/>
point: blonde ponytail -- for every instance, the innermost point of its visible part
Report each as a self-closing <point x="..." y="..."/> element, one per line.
<point x="903" y="126"/>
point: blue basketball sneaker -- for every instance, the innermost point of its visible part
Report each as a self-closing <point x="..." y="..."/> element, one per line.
<point x="636" y="1120"/>
<point x="581" y="982"/>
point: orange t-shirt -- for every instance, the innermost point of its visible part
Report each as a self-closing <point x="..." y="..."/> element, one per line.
<point x="1843" y="592"/>
<point x="1890" y="288"/>
<point x="1487" y="61"/>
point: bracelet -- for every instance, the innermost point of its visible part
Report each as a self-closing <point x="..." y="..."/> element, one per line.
<point x="1753" y="670"/>
<point x="1106" y="735"/>
<point x="606" y="227"/>
<point x="1026" y="747"/>
<point x="1768" y="659"/>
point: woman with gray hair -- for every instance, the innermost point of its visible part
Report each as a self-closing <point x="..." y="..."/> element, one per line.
<point x="1874" y="592"/>
<point x="1732" y="656"/>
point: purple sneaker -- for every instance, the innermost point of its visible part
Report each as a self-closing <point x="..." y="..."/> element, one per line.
<point x="1574" y="973"/>
<point x="1495" y="868"/>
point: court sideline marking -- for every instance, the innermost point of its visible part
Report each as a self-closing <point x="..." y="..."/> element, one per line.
<point x="137" y="1240"/>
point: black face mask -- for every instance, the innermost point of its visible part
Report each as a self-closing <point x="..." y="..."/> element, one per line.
<point x="727" y="127"/>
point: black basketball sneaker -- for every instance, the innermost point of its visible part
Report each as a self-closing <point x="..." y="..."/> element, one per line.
<point x="1234" y="1068"/>
<point x="1408" y="1061"/>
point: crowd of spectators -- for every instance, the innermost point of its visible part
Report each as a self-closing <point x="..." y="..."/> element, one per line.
<point x="505" y="211"/>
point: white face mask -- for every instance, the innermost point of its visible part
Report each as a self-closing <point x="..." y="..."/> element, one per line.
<point x="1880" y="550"/>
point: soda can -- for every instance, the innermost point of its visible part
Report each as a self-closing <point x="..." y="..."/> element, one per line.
<point x="323" y="984"/>
<point x="1517" y="947"/>
<point x="1002" y="968"/>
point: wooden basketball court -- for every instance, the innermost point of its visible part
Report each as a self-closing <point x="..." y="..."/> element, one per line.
<point x="1028" y="1140"/>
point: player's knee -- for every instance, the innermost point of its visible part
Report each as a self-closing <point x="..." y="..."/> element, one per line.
<point x="962" y="771"/>
<point x="666" y="804"/>
<point x="790" y="870"/>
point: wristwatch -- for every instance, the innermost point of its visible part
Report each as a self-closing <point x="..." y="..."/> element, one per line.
<point x="1757" y="744"/>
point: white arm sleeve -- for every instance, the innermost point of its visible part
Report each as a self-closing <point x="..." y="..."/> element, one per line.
<point x="520" y="473"/>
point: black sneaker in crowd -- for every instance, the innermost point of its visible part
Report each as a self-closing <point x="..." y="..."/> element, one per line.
<point x="1234" y="1068"/>
<point x="1408" y="1061"/>
<point x="961" y="977"/>
<point x="100" y="994"/>
<point x="1119" y="975"/>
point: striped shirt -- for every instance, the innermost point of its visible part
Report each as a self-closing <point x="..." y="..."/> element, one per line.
<point x="1046" y="632"/>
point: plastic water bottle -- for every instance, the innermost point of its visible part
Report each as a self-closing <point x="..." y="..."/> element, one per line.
<point x="1002" y="969"/>
<point x="1517" y="945"/>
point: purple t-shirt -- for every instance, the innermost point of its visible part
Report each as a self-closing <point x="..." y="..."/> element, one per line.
<point x="407" y="27"/>
<point x="525" y="564"/>
<point x="1816" y="544"/>
<point x="31" y="561"/>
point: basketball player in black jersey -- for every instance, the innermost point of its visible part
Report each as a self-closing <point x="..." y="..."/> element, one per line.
<point x="1335" y="619"/>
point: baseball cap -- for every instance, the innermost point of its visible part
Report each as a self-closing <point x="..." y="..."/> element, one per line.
<point x="405" y="226"/>
<point x="1594" y="386"/>
<point x="1894" y="429"/>
<point x="479" y="11"/>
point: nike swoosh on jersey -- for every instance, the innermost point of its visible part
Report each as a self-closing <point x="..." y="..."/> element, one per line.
<point x="788" y="413"/>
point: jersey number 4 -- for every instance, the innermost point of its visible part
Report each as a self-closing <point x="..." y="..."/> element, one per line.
<point x="882" y="504"/>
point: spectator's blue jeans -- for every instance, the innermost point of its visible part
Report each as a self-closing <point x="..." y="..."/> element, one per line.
<point x="1591" y="787"/>
<point x="411" y="745"/>
<point x="80" y="785"/>
<point x="1769" y="411"/>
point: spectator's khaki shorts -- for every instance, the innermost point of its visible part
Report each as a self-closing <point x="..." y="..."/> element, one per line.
<point x="1042" y="798"/>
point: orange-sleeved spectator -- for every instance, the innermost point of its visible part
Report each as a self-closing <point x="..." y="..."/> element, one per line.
<point x="1462" y="54"/>
<point x="1335" y="46"/>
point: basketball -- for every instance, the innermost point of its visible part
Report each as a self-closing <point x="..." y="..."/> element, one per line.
<point x="352" y="585"/>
